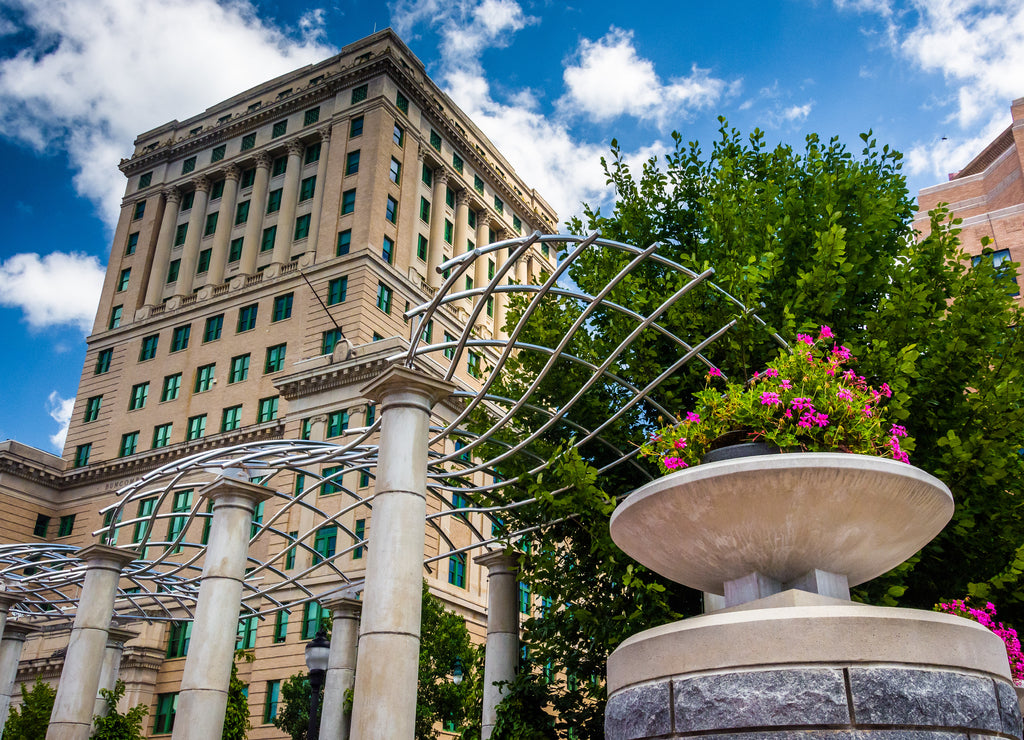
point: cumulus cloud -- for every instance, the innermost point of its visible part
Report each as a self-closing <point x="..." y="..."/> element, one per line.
<point x="100" y="73"/>
<point x="53" y="290"/>
<point x="797" y="113"/>
<point x="60" y="410"/>
<point x="609" y="79"/>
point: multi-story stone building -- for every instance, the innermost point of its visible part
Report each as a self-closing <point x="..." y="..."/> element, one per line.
<point x="256" y="238"/>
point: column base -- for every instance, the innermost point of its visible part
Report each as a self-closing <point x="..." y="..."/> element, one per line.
<point x="800" y="665"/>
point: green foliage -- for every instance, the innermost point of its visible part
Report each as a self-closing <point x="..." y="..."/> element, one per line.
<point x="236" y="719"/>
<point x="30" y="720"/>
<point x="114" y="725"/>
<point x="293" y="707"/>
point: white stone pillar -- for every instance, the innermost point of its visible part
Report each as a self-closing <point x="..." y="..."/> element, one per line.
<point x="389" y="636"/>
<point x="116" y="638"/>
<point x="7" y="600"/>
<point x="10" y="655"/>
<point x="341" y="666"/>
<point x="80" y="678"/>
<point x="289" y="199"/>
<point x="522" y="269"/>
<point x="162" y="252"/>
<point x="202" y="701"/>
<point x="257" y="207"/>
<point x="501" y="656"/>
<point x="318" y="194"/>
<point x="225" y="221"/>
<point x="193" y="235"/>
<point x="435" y="247"/>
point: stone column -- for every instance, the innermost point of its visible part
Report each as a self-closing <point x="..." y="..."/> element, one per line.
<point x="7" y="600"/>
<point x="164" y="242"/>
<point x="483" y="223"/>
<point x="501" y="657"/>
<point x="202" y="701"/>
<point x="257" y="207"/>
<point x="80" y="678"/>
<point x="389" y="636"/>
<point x="435" y="248"/>
<point x="116" y="638"/>
<point x="289" y="199"/>
<point x="225" y="221"/>
<point x="194" y="234"/>
<point x="341" y="666"/>
<point x="10" y="654"/>
<point x="522" y="269"/>
<point x="318" y="194"/>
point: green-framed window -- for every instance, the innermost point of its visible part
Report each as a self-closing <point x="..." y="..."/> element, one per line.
<point x="178" y="638"/>
<point x="274" y="201"/>
<point x="396" y="170"/>
<point x="246" y="634"/>
<point x="334" y="485"/>
<point x="449" y="351"/>
<point x="140" y="210"/>
<point x="402" y="102"/>
<point x="384" y="295"/>
<point x="289" y="558"/>
<point x="103" y="361"/>
<point x="248" y="141"/>
<point x="145" y="510"/>
<point x="424" y="210"/>
<point x="421" y="247"/>
<point x="162" y="435"/>
<point x="473" y="364"/>
<point x="328" y="340"/>
<point x="217" y="153"/>
<point x="66" y="526"/>
<point x="235" y="249"/>
<point x="166" y="707"/>
<point x="311" y="116"/>
<point x="122" y="280"/>
<point x="196" y="427"/>
<point x="388" y="250"/>
<point x="391" y="210"/>
<point x="247" y="318"/>
<point x="275" y="358"/>
<point x="214" y="326"/>
<point x="181" y="504"/>
<point x="279" y="129"/>
<point x="231" y="418"/>
<point x="302" y="226"/>
<point x="457" y="570"/>
<point x="360" y="530"/>
<point x="179" y="338"/>
<point x="267" y="238"/>
<point x="188" y="165"/>
<point x="398" y="136"/>
<point x="457" y="162"/>
<point x="348" y="201"/>
<point x="42" y="524"/>
<point x="239" y="370"/>
<point x="82" y="453"/>
<point x="242" y="212"/>
<point x="307" y="188"/>
<point x="205" y="377"/>
<point x="133" y="243"/>
<point x="279" y="166"/>
<point x="312" y="154"/>
<point x="337" y="289"/>
<point x="312" y="614"/>
<point x="359" y="93"/>
<point x="325" y="542"/>
<point x="281" y="623"/>
<point x="145" y="180"/>
<point x="92" y="408"/>
<point x="344" y="242"/>
<point x="355" y="127"/>
<point x="171" y="387"/>
<point x="180" y="233"/>
<point x="115" y="317"/>
<point x="352" y="162"/>
<point x="147" y="351"/>
<point x="139" y="394"/>
<point x="435" y="140"/>
<point x="524" y="598"/>
<point x="211" y="223"/>
<point x="203" y="264"/>
<point x="267" y="409"/>
<point x="173" y="269"/>
<point x="337" y="423"/>
<point x="129" y="442"/>
<point x="273" y="695"/>
<point x="282" y="307"/>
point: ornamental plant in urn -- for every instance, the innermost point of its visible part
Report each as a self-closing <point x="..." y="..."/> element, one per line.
<point x="807" y="400"/>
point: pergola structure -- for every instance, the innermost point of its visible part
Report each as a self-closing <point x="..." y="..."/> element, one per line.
<point x="200" y="563"/>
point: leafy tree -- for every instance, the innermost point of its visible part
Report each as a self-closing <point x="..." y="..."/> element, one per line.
<point x="30" y="720"/>
<point x="293" y="708"/>
<point x="114" y="725"/>
<point x="237" y="722"/>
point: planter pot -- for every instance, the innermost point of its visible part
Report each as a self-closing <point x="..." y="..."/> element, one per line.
<point x="737" y="450"/>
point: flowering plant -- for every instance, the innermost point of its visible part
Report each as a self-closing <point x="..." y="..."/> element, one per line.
<point x="806" y="400"/>
<point x="986" y="617"/>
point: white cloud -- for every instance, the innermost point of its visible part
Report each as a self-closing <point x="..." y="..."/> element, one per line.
<point x="104" y="71"/>
<point x="56" y="289"/>
<point x="797" y="113"/>
<point x="940" y="158"/>
<point x="610" y="79"/>
<point x="60" y="410"/>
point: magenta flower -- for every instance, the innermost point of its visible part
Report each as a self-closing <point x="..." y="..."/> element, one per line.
<point x="785" y="384"/>
<point x="867" y="410"/>
<point x="771" y="373"/>
<point x="805" y="338"/>
<point x="673" y="463"/>
<point x="886" y="390"/>
<point x="845" y="394"/>
<point x="825" y="333"/>
<point x="843" y="353"/>
<point x="692" y="418"/>
<point x="898" y="431"/>
<point x="714" y="373"/>
<point x="788" y="414"/>
<point x="770" y="399"/>
<point x="680" y="444"/>
<point x="802" y="404"/>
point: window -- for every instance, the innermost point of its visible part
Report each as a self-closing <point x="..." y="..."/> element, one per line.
<point x="331" y="337"/>
<point x="337" y="422"/>
<point x="92" y="408"/>
<point x="435" y="140"/>
<point x="305" y="432"/>
<point x="312" y="613"/>
<point x="217" y="190"/>
<point x="280" y="128"/>
<point x="498" y="205"/>
<point x="103" y="361"/>
<point x="179" y="337"/>
<point x="275" y="358"/>
<point x="148" y="349"/>
<point x="161" y="435"/>
<point x="449" y="351"/>
<point x="279" y="166"/>
<point x="128" y="444"/>
<point x="402" y="102"/>
<point x="122" y="280"/>
<point x="388" y="252"/>
<point x="334" y="484"/>
<point x="427" y="175"/>
<point x="325" y="543"/>
<point x="449" y="197"/>
<point x="105" y="538"/>
<point x="355" y="128"/>
<point x="247" y="318"/>
<point x="352" y="163"/>
<point x="267" y="410"/>
<point x="179" y="637"/>
<point x="544" y="248"/>
<point x="1001" y="261"/>
<point x="182" y="504"/>
<point x="203" y="265"/>
<point x="359" y="94"/>
<point x="490" y="269"/>
<point x="211" y="223"/>
<point x="239" y="369"/>
<point x="289" y="563"/>
<point x="172" y="271"/>
<point x="235" y="250"/>
<point x="188" y="165"/>
<point x="427" y="335"/>
<point x="312" y="154"/>
<point x="457" y="162"/>
<point x="166" y="706"/>
<point x="42" y="524"/>
<point x="471" y="218"/>
<point x="517" y="223"/>
<point x="448" y="229"/>
<point x="274" y="201"/>
<point x="384" y="298"/>
<point x="231" y="418"/>
<point x="302" y="227"/>
<point x="391" y="210"/>
<point x="398" y="136"/>
<point x="421" y="247"/>
<point x="82" y="455"/>
<point x="138" y="397"/>
<point x="424" y="209"/>
<point x="67" y="523"/>
<point x="524" y="598"/>
<point x="348" y="201"/>
<point x="145" y="180"/>
<point x="274" y="687"/>
<point x="282" y="307"/>
<point x="490" y="306"/>
<point x="204" y="377"/>
<point x="311" y="116"/>
<point x="196" y="427"/>
<point x="187" y="200"/>
<point x="336" y="290"/>
<point x="248" y="141"/>
<point x="115" y="316"/>
<point x="218" y="153"/>
<point x="396" y="170"/>
<point x="133" y="242"/>
<point x="357" y="553"/>
<point x="364" y="479"/>
<point x="307" y="188"/>
<point x="469" y="283"/>
<point x="457" y="570"/>
<point x="172" y="385"/>
<point x="344" y="241"/>
<point x="140" y="210"/>
<point x="146" y="507"/>
<point x="242" y="213"/>
<point x="473" y="364"/>
<point x="246" y="634"/>
<point x="214" y="325"/>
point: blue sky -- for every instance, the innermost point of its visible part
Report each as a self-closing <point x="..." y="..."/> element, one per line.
<point x="550" y="82"/>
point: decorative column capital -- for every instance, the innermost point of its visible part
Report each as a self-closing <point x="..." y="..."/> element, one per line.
<point x="461" y="199"/>
<point x="421" y="153"/>
<point x="440" y="176"/>
<point x="117" y="637"/>
<point x="106" y="556"/>
<point x="263" y="160"/>
<point x="325" y="132"/>
<point x="398" y="378"/>
<point x="9" y="599"/>
<point x="498" y="562"/>
<point x="342" y="607"/>
<point x="483" y="219"/>
<point x="202" y="184"/>
<point x="295" y="148"/>
<point x="224" y="489"/>
<point x="19" y="631"/>
<point x="232" y="172"/>
<point x="171" y="194"/>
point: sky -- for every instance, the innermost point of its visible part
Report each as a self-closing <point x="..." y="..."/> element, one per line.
<point x="551" y="83"/>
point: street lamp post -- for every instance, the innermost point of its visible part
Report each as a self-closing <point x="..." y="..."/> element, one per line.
<point x="317" y="652"/>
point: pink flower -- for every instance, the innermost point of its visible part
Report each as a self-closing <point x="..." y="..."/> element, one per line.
<point x="756" y="375"/>
<point x="785" y="384"/>
<point x="867" y="409"/>
<point x="674" y="462"/>
<point x="825" y="333"/>
<point x="821" y="419"/>
<point x="788" y="414"/>
<point x="770" y="399"/>
<point x="886" y="390"/>
<point x="801" y="404"/>
<point x="680" y="444"/>
<point x="692" y="418"/>
<point x="894" y="448"/>
<point x="898" y="431"/>
<point x="805" y="338"/>
<point x="771" y="373"/>
<point x="842" y="353"/>
<point x="844" y="394"/>
<point x="714" y="373"/>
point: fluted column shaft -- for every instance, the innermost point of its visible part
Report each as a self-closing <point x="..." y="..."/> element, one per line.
<point x="257" y="206"/>
<point x="501" y="655"/>
<point x="482" y="238"/>
<point x="193" y="235"/>
<point x="202" y="701"/>
<point x="80" y="678"/>
<point x="522" y="274"/>
<point x="289" y="199"/>
<point x="435" y="247"/>
<point x="389" y="635"/>
<point x="164" y="242"/>
<point x="10" y="655"/>
<point x="341" y="666"/>
<point x="226" y="219"/>
<point x="318" y="194"/>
